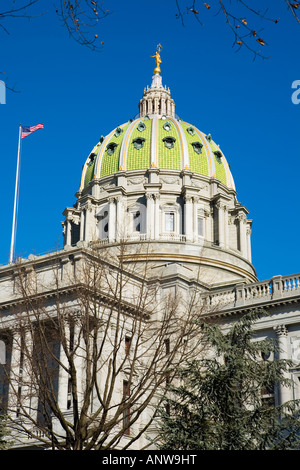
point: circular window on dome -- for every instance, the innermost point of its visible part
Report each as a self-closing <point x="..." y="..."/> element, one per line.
<point x="191" y="130"/>
<point x="118" y="131"/>
<point x="169" y="142"/>
<point x="138" y="143"/>
<point x="141" y="126"/>
<point x="167" y="126"/>
<point x="110" y="149"/>
<point x="197" y="146"/>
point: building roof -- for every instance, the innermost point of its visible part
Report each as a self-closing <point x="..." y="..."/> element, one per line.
<point x="157" y="141"/>
<point x="157" y="138"/>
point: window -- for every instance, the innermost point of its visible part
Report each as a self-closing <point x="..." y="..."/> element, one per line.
<point x="200" y="223"/>
<point x="137" y="221"/>
<point x="268" y="391"/>
<point x="169" y="142"/>
<point x="111" y="147"/>
<point x="197" y="146"/>
<point x="170" y="221"/>
<point x="268" y="396"/>
<point x="75" y="233"/>
<point x="103" y="223"/>
<point x="138" y="143"/>
<point x="127" y="344"/>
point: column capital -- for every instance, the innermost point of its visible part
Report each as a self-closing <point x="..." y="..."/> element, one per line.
<point x="281" y="330"/>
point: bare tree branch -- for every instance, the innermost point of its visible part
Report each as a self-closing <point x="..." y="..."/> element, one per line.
<point x="94" y="351"/>
<point x="245" y="31"/>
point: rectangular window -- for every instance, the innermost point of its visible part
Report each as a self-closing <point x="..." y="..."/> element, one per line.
<point x="200" y="227"/>
<point x="169" y="221"/>
<point x="127" y="344"/>
<point x="268" y="396"/>
<point x="137" y="221"/>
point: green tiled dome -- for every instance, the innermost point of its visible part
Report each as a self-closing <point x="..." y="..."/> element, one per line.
<point x="156" y="141"/>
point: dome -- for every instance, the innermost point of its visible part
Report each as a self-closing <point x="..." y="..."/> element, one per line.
<point x="159" y="141"/>
<point x="157" y="138"/>
<point x="165" y="188"/>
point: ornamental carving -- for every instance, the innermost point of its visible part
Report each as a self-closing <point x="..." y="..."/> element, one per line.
<point x="136" y="180"/>
<point x="198" y="184"/>
<point x="169" y="179"/>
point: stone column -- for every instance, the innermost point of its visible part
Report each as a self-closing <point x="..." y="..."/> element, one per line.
<point x="89" y="228"/>
<point x="243" y="236"/>
<point x="15" y="370"/>
<point x="221" y="226"/>
<point x="163" y="106"/>
<point x="249" y="243"/>
<point x="120" y="222"/>
<point x="150" y="107"/>
<point x="63" y="375"/>
<point x="282" y="337"/>
<point x="20" y="377"/>
<point x="150" y="215"/>
<point x="82" y="224"/>
<point x="112" y="220"/>
<point x="68" y="232"/>
<point x="189" y="217"/>
<point x="168" y="107"/>
<point x="156" y="216"/>
<point x="207" y="225"/>
<point x="226" y="227"/>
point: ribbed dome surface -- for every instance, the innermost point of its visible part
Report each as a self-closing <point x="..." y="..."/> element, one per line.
<point x="156" y="141"/>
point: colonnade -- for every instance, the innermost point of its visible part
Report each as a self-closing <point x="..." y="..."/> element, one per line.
<point x="195" y="221"/>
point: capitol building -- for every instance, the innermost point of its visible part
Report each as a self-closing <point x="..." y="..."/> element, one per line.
<point x="156" y="233"/>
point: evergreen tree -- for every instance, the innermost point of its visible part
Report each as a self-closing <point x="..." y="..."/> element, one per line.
<point x="3" y="433"/>
<point x="219" y="403"/>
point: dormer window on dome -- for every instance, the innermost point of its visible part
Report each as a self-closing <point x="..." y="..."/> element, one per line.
<point x="111" y="147"/>
<point x="92" y="158"/>
<point x="197" y="146"/>
<point x="218" y="155"/>
<point x="118" y="132"/>
<point x="138" y="143"/>
<point x="169" y="142"/>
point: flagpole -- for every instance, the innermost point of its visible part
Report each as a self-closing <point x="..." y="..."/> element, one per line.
<point x="13" y="234"/>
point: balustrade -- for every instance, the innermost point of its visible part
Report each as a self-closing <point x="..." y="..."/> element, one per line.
<point x="248" y="294"/>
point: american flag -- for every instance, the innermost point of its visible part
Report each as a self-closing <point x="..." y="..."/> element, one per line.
<point x="26" y="130"/>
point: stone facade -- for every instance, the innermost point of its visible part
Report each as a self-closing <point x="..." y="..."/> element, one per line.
<point x="186" y="221"/>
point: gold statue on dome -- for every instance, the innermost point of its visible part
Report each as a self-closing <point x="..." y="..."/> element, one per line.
<point x="157" y="58"/>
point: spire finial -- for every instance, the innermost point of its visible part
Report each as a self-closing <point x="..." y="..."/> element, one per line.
<point x="157" y="59"/>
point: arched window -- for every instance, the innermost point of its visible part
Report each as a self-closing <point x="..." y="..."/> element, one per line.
<point x="137" y="217"/>
<point x="103" y="222"/>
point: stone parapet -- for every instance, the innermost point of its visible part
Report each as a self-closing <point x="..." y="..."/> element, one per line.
<point x="257" y="294"/>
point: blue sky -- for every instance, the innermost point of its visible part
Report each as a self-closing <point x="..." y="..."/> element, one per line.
<point x="80" y="95"/>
